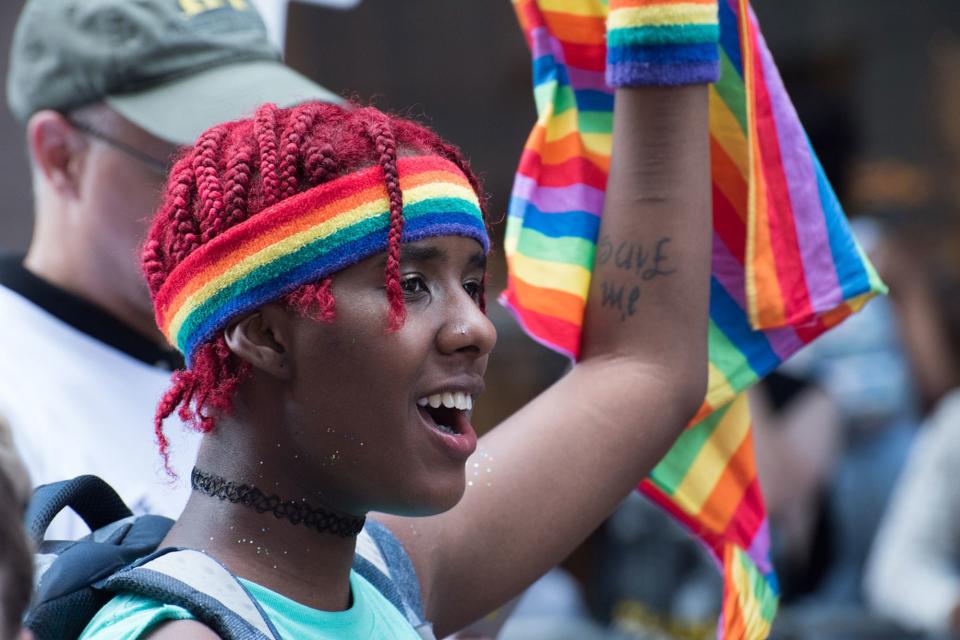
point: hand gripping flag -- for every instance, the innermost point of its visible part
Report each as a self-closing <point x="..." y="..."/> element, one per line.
<point x="785" y="265"/>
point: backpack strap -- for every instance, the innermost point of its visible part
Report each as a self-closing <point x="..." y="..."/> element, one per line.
<point x="91" y="498"/>
<point x="200" y="584"/>
<point x="382" y="560"/>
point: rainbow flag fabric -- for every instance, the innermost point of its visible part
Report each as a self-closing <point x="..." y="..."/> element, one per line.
<point x="785" y="265"/>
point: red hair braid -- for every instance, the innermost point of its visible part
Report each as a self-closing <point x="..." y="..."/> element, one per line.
<point x="386" y="147"/>
<point x="236" y="183"/>
<point x="290" y="157"/>
<point x="186" y="231"/>
<point x="265" y="130"/>
<point x="209" y="184"/>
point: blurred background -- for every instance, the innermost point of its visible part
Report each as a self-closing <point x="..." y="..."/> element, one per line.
<point x="877" y="85"/>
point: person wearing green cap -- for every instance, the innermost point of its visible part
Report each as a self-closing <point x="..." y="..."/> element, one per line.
<point x="107" y="91"/>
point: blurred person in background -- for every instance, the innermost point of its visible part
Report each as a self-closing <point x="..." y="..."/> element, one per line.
<point x="865" y="370"/>
<point x="797" y="439"/>
<point x="913" y="574"/>
<point x="100" y="87"/>
<point x="16" y="565"/>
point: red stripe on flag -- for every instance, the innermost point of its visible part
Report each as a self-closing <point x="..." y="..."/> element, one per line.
<point x="783" y="233"/>
<point x="577" y="170"/>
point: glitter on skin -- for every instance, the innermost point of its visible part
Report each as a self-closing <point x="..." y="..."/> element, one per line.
<point x="481" y="464"/>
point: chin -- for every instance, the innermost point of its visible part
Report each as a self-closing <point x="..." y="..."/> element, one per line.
<point x="433" y="498"/>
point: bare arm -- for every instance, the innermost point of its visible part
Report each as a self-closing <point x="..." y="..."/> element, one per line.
<point x="560" y="466"/>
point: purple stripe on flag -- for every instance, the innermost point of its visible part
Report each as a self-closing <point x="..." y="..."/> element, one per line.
<point x="759" y="550"/>
<point x="540" y="42"/>
<point x="575" y="197"/>
<point x="586" y="79"/>
<point x="729" y="273"/>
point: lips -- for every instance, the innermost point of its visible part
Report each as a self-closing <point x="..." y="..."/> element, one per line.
<point x="446" y="415"/>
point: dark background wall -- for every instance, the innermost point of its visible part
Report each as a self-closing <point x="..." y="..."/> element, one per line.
<point x="463" y="66"/>
<point x="15" y="212"/>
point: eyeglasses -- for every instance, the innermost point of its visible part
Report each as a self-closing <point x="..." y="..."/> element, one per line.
<point x="160" y="166"/>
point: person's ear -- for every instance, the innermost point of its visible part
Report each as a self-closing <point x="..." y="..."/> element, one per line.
<point x="261" y="338"/>
<point x="58" y="150"/>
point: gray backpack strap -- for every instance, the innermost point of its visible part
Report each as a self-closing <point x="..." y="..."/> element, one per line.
<point x="201" y="585"/>
<point x="382" y="560"/>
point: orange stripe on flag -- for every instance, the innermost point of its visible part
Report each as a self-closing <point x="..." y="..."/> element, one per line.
<point x="549" y="302"/>
<point x="576" y="29"/>
<point x="730" y="488"/>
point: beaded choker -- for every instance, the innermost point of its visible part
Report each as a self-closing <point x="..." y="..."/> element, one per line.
<point x="317" y="518"/>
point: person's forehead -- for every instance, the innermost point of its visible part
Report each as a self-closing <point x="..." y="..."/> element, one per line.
<point x="453" y="251"/>
<point x="443" y="249"/>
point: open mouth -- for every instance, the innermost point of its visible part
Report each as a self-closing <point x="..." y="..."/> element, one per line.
<point x="446" y="412"/>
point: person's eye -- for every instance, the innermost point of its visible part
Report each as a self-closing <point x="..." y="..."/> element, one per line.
<point x="413" y="284"/>
<point x="474" y="289"/>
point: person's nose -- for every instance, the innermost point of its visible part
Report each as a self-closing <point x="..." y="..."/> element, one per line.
<point x="466" y="329"/>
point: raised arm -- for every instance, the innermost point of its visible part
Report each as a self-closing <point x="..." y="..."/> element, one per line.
<point x="561" y="465"/>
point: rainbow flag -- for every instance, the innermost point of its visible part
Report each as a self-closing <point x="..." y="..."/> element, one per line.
<point x="785" y="265"/>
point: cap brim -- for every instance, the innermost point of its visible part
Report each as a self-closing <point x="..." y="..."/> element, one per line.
<point x="180" y="110"/>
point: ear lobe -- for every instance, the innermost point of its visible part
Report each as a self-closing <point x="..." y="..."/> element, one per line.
<point x="58" y="150"/>
<point x="257" y="340"/>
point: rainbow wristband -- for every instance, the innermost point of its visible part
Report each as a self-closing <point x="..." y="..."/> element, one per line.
<point x="662" y="42"/>
<point x="308" y="237"/>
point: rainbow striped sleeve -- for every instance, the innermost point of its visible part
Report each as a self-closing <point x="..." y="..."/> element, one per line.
<point x="786" y="267"/>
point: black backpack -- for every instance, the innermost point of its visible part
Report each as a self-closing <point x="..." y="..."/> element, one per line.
<point x="76" y="578"/>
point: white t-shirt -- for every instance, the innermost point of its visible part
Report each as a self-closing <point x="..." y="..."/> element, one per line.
<point x="76" y="406"/>
<point x="913" y="573"/>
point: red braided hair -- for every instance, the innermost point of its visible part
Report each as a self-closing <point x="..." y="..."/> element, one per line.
<point x="237" y="169"/>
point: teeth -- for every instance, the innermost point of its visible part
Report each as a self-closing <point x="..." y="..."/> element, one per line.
<point x="450" y="399"/>
<point x="445" y="429"/>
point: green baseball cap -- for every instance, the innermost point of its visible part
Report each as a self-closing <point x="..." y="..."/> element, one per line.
<point x="172" y="67"/>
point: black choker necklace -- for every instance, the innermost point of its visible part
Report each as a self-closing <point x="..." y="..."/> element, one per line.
<point x="247" y="495"/>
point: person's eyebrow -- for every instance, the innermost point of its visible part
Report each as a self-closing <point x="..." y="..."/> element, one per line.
<point x="410" y="253"/>
<point x="479" y="260"/>
<point x="421" y="254"/>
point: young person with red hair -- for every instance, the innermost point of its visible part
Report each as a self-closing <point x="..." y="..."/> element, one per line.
<point x="322" y="269"/>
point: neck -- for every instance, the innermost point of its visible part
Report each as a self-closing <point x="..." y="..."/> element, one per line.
<point x="83" y="273"/>
<point x="303" y="564"/>
<point x="309" y="566"/>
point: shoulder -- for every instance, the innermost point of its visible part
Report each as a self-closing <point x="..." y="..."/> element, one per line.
<point x="130" y="617"/>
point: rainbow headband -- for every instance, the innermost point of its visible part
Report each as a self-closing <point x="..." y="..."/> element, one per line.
<point x="308" y="237"/>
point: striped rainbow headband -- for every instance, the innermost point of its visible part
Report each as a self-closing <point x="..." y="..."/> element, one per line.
<point x="308" y="237"/>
